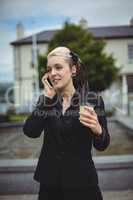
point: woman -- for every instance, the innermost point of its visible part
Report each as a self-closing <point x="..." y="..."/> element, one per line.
<point x="65" y="168"/>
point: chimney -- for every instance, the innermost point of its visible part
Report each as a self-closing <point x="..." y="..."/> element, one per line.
<point x="131" y="22"/>
<point x="83" y="23"/>
<point x="19" y="30"/>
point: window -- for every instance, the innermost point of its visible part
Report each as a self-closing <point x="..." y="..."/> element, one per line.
<point x="130" y="52"/>
<point x="130" y="83"/>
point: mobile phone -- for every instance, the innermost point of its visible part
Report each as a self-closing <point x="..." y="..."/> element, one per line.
<point x="49" y="82"/>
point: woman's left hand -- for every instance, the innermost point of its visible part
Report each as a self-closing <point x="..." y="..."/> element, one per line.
<point x="88" y="117"/>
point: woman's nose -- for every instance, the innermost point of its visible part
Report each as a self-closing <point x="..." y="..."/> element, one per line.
<point x="53" y="71"/>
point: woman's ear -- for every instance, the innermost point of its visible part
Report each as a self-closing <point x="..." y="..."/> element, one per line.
<point x="74" y="70"/>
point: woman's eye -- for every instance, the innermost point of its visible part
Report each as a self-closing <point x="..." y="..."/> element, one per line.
<point x="58" y="67"/>
<point x="48" y="70"/>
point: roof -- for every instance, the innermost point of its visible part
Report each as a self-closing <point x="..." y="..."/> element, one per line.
<point x="107" y="32"/>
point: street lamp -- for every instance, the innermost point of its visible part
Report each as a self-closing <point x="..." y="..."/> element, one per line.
<point x="35" y="62"/>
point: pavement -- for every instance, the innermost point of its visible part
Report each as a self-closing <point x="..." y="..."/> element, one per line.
<point x="107" y="195"/>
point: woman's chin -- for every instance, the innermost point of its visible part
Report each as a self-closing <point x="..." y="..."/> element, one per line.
<point x="57" y="87"/>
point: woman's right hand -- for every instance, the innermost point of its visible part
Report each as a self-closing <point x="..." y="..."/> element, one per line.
<point x="49" y="91"/>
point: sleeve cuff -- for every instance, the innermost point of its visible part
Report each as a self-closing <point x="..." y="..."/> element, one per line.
<point x="101" y="136"/>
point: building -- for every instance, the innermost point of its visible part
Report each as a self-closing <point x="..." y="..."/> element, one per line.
<point x="119" y="41"/>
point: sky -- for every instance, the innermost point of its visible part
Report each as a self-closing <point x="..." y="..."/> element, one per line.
<point x="39" y="15"/>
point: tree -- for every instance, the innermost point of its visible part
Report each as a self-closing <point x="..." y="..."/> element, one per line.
<point x="42" y="60"/>
<point x="99" y="68"/>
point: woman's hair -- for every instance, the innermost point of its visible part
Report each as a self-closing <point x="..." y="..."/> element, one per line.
<point x="79" y="79"/>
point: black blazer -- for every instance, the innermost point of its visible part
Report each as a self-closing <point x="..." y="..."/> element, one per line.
<point x="65" y="157"/>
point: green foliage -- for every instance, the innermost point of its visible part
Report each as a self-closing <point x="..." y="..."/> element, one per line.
<point x="100" y="69"/>
<point x="42" y="61"/>
<point x="110" y="113"/>
<point x="18" y="117"/>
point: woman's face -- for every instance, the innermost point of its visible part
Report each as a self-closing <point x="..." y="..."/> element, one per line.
<point x="59" y="72"/>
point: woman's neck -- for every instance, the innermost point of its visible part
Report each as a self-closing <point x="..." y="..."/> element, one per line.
<point x="67" y="92"/>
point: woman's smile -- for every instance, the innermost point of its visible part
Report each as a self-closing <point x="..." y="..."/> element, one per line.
<point x="56" y="81"/>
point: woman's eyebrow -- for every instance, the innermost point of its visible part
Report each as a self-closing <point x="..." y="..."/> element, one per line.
<point x="57" y="64"/>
